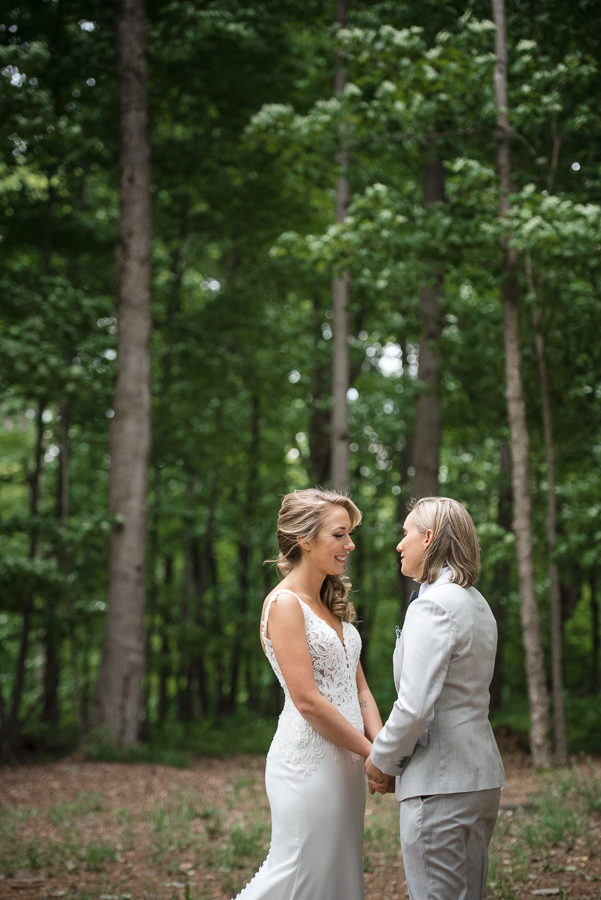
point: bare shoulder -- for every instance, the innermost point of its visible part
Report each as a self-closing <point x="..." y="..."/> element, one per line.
<point x="286" y="617"/>
<point x="285" y="605"/>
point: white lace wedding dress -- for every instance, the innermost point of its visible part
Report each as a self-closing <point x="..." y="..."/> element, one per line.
<point x="316" y="790"/>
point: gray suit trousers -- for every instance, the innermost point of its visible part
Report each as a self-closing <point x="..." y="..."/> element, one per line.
<point x="444" y="839"/>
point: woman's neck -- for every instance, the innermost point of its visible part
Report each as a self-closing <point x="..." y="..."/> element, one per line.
<point x="307" y="580"/>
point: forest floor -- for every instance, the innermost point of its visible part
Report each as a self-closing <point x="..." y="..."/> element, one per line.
<point x="110" y="831"/>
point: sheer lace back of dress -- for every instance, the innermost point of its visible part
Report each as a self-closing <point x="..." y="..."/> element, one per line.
<point x="335" y="671"/>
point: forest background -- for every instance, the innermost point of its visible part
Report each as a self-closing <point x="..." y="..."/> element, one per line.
<point x="255" y="135"/>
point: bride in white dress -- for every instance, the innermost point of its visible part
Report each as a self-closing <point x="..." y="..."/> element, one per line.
<point x="314" y="773"/>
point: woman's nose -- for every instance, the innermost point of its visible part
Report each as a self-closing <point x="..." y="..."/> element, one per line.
<point x="349" y="545"/>
<point x="399" y="546"/>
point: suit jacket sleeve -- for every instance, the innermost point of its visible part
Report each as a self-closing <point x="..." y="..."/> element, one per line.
<point x="428" y="638"/>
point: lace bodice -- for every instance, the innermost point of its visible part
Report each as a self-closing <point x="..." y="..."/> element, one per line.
<point x="335" y="671"/>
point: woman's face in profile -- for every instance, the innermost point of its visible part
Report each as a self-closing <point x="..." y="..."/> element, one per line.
<point x="412" y="547"/>
<point x="330" y="547"/>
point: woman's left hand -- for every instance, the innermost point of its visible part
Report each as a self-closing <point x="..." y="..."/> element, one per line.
<point x="382" y="787"/>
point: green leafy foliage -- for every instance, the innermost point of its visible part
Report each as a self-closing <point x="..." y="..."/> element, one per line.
<point x="245" y="133"/>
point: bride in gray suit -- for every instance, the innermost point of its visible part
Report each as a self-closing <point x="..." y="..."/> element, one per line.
<point x="438" y="741"/>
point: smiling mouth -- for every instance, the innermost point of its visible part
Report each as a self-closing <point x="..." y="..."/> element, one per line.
<point x="341" y="559"/>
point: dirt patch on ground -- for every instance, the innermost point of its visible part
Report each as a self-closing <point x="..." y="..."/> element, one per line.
<point x="90" y="830"/>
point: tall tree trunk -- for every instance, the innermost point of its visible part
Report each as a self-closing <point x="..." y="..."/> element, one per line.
<point x="364" y="603"/>
<point x="3" y="720"/>
<point x="184" y="700"/>
<point x="500" y="579"/>
<point x="63" y="516"/>
<point x="561" y="741"/>
<point x="538" y="694"/>
<point x="117" y="698"/>
<point x="50" y="708"/>
<point x="320" y="421"/>
<point x="164" y="671"/>
<point x="144" y="731"/>
<point x="201" y="571"/>
<point x="164" y="657"/>
<point x="245" y="553"/>
<point x="406" y="461"/>
<point x="51" y="677"/>
<point x="596" y="639"/>
<point x="48" y="231"/>
<point x="177" y="270"/>
<point x="340" y="295"/>
<point x="426" y="441"/>
<point x="34" y="484"/>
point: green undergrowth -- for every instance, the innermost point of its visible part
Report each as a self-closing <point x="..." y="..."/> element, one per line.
<point x="187" y="832"/>
<point x="65" y="849"/>
<point x="380" y="836"/>
<point x="176" y="744"/>
<point x="583" y="723"/>
<point x="178" y="835"/>
<point x="551" y="834"/>
<point x="218" y="737"/>
<point x="171" y="743"/>
<point x="106" y="751"/>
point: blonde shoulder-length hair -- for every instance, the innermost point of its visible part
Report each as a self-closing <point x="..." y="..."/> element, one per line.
<point x="454" y="541"/>
<point x="302" y="515"/>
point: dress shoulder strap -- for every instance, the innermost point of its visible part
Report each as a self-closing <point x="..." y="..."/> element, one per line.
<point x="271" y="599"/>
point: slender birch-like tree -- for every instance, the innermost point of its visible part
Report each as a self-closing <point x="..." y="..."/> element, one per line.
<point x="117" y="698"/>
<point x="426" y="441"/>
<point x="559" y="721"/>
<point x="538" y="694"/>
<point x="340" y="296"/>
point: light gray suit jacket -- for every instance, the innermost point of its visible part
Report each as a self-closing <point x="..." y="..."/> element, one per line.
<point x="438" y="738"/>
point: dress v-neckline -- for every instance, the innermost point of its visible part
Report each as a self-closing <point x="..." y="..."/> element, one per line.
<point x="321" y="619"/>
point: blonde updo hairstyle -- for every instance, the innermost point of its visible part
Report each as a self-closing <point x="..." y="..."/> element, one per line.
<point x="302" y="515"/>
<point x="454" y="542"/>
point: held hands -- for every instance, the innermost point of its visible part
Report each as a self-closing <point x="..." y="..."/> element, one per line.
<point x="378" y="781"/>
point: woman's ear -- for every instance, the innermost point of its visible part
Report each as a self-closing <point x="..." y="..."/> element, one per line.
<point x="428" y="538"/>
<point x="304" y="544"/>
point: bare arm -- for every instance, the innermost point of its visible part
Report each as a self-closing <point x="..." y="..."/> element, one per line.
<point x="369" y="710"/>
<point x="287" y="635"/>
<point x="373" y="724"/>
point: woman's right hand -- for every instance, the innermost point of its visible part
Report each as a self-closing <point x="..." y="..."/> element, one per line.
<point x="382" y="787"/>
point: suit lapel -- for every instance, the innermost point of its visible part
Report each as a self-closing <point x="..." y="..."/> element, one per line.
<point x="397" y="662"/>
<point x="397" y="657"/>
